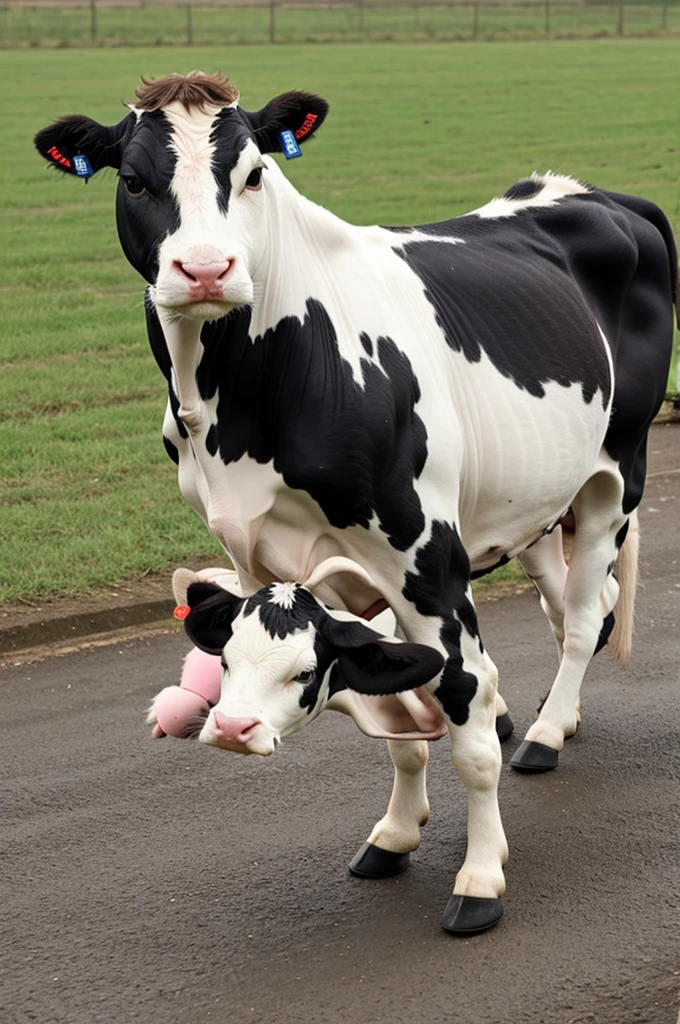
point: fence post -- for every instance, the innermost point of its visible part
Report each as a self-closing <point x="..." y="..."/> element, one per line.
<point x="620" y="28"/>
<point x="190" y="26"/>
<point x="272" y="22"/>
<point x="93" y="21"/>
<point x="547" y="19"/>
<point x="475" y="20"/>
<point x="360" y="4"/>
<point x="664" y="16"/>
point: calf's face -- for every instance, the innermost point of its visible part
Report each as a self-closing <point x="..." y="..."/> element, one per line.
<point x="284" y="655"/>
<point x="190" y="204"/>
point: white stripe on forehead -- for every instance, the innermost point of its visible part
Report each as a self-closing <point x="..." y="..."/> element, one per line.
<point x="191" y="132"/>
<point x="193" y="183"/>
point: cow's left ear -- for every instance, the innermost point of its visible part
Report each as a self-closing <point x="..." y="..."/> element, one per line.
<point x="371" y="664"/>
<point x="80" y="146"/>
<point x="299" y="112"/>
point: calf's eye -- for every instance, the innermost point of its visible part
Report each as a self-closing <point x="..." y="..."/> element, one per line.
<point x="254" y="179"/>
<point x="305" y="677"/>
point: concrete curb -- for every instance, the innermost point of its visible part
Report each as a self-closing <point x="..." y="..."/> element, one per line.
<point x="55" y="631"/>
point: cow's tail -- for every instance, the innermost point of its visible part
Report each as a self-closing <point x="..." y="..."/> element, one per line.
<point x="621" y="638"/>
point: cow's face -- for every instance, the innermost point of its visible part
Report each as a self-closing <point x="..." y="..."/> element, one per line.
<point x="192" y="187"/>
<point x="284" y="655"/>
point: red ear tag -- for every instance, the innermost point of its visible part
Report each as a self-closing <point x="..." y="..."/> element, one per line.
<point x="181" y="612"/>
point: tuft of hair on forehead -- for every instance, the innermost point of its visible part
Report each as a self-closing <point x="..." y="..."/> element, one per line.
<point x="192" y="90"/>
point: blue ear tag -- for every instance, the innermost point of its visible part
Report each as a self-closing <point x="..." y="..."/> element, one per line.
<point x="82" y="166"/>
<point x="289" y="145"/>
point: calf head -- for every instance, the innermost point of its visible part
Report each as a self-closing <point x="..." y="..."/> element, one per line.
<point x="285" y="656"/>
<point x="191" y="197"/>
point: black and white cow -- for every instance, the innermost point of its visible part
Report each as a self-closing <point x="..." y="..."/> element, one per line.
<point x="426" y="401"/>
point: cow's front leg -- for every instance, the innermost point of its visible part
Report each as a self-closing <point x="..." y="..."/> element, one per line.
<point x="388" y="848"/>
<point x="475" y="903"/>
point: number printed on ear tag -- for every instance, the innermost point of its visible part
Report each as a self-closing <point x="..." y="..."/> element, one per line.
<point x="82" y="166"/>
<point x="289" y="145"/>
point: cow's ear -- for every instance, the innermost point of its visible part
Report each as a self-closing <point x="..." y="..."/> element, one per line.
<point x="208" y="624"/>
<point x="299" y="112"/>
<point x="374" y="665"/>
<point x="80" y="146"/>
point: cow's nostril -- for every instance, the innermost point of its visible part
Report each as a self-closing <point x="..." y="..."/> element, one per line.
<point x="206" y="274"/>
<point x="237" y="730"/>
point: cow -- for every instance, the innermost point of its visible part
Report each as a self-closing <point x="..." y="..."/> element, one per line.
<point x="426" y="401"/>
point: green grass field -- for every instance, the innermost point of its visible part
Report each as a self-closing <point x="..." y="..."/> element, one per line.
<point x="416" y="133"/>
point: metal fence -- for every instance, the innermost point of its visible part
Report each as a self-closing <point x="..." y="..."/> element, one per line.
<point x="143" y="22"/>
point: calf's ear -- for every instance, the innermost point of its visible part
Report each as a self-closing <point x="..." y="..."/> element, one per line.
<point x="299" y="112"/>
<point x="80" y="146"/>
<point x="371" y="664"/>
<point x="208" y="624"/>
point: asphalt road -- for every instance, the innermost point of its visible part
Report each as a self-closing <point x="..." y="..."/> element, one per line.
<point x="170" y="883"/>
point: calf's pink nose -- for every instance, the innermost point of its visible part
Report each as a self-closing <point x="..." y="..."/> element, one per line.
<point x="235" y="730"/>
<point x="207" y="274"/>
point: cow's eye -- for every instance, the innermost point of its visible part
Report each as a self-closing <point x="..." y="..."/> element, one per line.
<point x="254" y="179"/>
<point x="305" y="677"/>
<point x="134" y="187"/>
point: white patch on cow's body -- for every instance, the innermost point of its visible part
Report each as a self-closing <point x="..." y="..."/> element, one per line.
<point x="555" y="187"/>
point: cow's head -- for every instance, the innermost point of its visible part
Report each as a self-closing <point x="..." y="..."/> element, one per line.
<point x="192" y="171"/>
<point x="286" y="656"/>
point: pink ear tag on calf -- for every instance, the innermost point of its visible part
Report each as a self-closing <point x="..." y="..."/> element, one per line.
<point x="181" y="611"/>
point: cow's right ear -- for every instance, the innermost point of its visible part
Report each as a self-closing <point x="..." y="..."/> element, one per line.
<point x="208" y="624"/>
<point x="80" y="146"/>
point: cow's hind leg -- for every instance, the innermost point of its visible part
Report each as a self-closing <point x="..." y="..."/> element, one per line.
<point x="388" y="848"/>
<point x="590" y="595"/>
<point x="545" y="565"/>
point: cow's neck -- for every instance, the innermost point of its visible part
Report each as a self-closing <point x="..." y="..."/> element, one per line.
<point x="303" y="241"/>
<point x="183" y="338"/>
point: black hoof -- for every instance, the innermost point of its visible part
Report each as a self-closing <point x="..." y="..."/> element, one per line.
<point x="466" y="915"/>
<point x="534" y="757"/>
<point x="372" y="862"/>
<point x="504" y="727"/>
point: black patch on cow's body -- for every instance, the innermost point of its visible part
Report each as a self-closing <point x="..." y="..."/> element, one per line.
<point x="148" y="159"/>
<point x="289" y="397"/>
<point x="525" y="188"/>
<point x="171" y="450"/>
<point x="367" y="343"/>
<point x="640" y="300"/>
<point x="211" y="440"/>
<point x="605" y="632"/>
<point x="493" y="295"/>
<point x="438" y="587"/>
